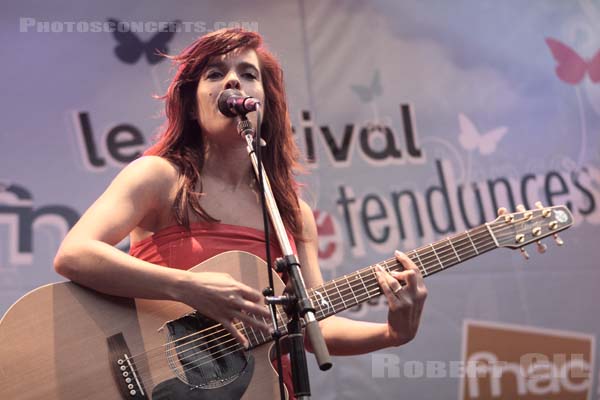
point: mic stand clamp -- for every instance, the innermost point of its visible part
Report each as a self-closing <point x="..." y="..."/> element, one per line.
<point x="284" y="300"/>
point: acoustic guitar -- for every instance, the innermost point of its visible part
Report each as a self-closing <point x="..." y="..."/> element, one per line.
<point x="66" y="342"/>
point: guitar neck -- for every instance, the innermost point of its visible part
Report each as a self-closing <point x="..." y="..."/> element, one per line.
<point x="358" y="287"/>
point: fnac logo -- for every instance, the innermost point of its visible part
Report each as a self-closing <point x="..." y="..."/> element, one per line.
<point x="17" y="211"/>
<point x="514" y="362"/>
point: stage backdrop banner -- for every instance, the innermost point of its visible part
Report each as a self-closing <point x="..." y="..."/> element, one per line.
<point x="417" y="120"/>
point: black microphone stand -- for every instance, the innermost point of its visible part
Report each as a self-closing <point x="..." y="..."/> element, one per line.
<point x="297" y="303"/>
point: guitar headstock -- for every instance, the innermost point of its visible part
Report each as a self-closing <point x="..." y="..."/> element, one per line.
<point x="517" y="230"/>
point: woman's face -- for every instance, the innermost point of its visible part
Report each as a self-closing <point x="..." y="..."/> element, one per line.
<point x="238" y="69"/>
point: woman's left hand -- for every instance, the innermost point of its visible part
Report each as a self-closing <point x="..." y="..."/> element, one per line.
<point x="405" y="300"/>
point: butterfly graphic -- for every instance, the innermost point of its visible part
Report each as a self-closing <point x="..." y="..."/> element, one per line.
<point x="130" y="47"/>
<point x="571" y="66"/>
<point x="368" y="93"/>
<point x="471" y="139"/>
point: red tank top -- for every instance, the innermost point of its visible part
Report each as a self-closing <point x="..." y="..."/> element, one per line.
<point x="177" y="247"/>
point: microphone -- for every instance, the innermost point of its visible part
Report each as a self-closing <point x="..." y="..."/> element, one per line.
<point x="232" y="102"/>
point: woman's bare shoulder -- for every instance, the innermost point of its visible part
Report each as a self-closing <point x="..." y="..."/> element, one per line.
<point x="154" y="167"/>
<point x="147" y="175"/>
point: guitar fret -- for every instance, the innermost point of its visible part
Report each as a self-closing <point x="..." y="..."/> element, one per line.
<point x="436" y="256"/>
<point x="246" y="331"/>
<point x="316" y="303"/>
<point x="454" y="250"/>
<point x="472" y="244"/>
<point x="423" y="269"/>
<point x="329" y="303"/>
<point x="261" y="333"/>
<point x="351" y="290"/>
<point x="492" y="234"/>
<point x="372" y="274"/>
<point x="387" y="267"/>
<point x="329" y="289"/>
<point x="365" y="286"/>
<point x="331" y="295"/>
<point x="313" y="300"/>
<point x="340" y="293"/>
<point x="255" y="337"/>
<point x="425" y="254"/>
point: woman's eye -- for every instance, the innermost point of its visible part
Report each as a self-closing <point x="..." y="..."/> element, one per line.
<point x="214" y="75"/>
<point x="250" y="75"/>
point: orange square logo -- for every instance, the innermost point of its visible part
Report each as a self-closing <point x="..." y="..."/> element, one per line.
<point x="503" y="361"/>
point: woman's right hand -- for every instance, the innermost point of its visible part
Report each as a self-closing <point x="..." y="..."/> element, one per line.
<point x="220" y="297"/>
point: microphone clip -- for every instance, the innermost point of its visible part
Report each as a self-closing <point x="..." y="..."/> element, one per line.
<point x="245" y="128"/>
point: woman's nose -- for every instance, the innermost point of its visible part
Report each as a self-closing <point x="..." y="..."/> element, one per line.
<point x="233" y="83"/>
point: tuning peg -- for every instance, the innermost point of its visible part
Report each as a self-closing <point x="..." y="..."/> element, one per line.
<point x="520" y="238"/>
<point x="526" y="214"/>
<point x="524" y="253"/>
<point x="546" y="212"/>
<point x="541" y="247"/>
<point x="558" y="240"/>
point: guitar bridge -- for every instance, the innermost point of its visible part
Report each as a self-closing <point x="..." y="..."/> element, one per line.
<point x="123" y="368"/>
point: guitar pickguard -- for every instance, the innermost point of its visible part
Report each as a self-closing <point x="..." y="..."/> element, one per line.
<point x="206" y="360"/>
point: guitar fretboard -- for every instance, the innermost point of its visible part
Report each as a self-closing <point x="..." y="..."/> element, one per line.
<point x="358" y="287"/>
<point x="350" y="290"/>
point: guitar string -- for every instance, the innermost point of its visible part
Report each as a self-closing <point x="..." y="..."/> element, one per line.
<point x="350" y="286"/>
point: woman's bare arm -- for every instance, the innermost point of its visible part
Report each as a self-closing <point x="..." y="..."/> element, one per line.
<point x="349" y="337"/>
<point x="88" y="256"/>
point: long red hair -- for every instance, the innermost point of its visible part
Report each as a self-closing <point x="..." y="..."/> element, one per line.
<point x="181" y="140"/>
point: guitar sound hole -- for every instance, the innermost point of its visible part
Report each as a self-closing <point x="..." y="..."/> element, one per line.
<point x="202" y="354"/>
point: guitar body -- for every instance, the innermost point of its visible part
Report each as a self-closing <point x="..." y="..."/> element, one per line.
<point x="54" y="345"/>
